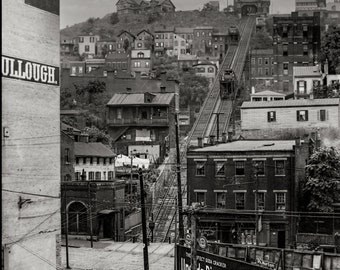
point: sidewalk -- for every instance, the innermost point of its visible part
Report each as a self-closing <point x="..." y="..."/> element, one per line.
<point x="117" y="255"/>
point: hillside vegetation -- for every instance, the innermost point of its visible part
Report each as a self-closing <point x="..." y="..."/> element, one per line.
<point x="137" y="22"/>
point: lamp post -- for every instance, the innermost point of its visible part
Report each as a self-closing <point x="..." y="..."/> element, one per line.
<point x="145" y="238"/>
<point x="66" y="230"/>
<point x="256" y="203"/>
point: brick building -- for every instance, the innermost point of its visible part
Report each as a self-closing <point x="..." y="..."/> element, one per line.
<point x="141" y="61"/>
<point x="125" y="42"/>
<point x="262" y="67"/>
<point x="106" y="47"/>
<point x="164" y="40"/>
<point x="202" y="41"/>
<point x="219" y="44"/>
<point x="144" y="40"/>
<point x="30" y="180"/>
<point x="118" y="61"/>
<point x="224" y="181"/>
<point x="296" y="42"/>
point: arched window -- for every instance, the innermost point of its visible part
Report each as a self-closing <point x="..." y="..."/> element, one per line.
<point x="210" y="69"/>
<point x="140" y="55"/>
<point x="77" y="218"/>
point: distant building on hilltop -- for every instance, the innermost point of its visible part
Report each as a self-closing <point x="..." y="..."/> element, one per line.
<point x="142" y="6"/>
<point x="251" y="7"/>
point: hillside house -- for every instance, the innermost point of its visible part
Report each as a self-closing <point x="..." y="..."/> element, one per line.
<point x="266" y="96"/>
<point x="144" y="40"/>
<point x="125" y="7"/>
<point x="202" y="41"/>
<point x="302" y="113"/>
<point x="206" y="69"/>
<point x="68" y="46"/>
<point x="180" y="46"/>
<point x="143" y="122"/>
<point x="125" y="42"/>
<point x="164" y="40"/>
<point x="219" y="44"/>
<point x="305" y="79"/>
<point x="87" y="44"/>
<point x="106" y="46"/>
<point x="141" y="61"/>
<point x="229" y="181"/>
<point x="186" y="33"/>
<point x="118" y="61"/>
<point x="162" y="6"/>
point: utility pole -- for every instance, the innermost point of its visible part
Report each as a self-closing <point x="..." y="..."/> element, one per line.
<point x="256" y="204"/>
<point x="144" y="228"/>
<point x="90" y="210"/>
<point x="218" y="124"/>
<point x="66" y="230"/>
<point x="194" y="242"/>
<point x="179" y="186"/>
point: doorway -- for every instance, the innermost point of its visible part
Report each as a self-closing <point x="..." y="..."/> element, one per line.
<point x="281" y="239"/>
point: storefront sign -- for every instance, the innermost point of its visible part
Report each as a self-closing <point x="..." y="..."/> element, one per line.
<point x="47" y="5"/>
<point x="20" y="69"/>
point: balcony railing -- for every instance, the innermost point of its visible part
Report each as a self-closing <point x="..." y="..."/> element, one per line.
<point x="139" y="122"/>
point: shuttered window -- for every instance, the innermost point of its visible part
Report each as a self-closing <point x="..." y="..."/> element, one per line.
<point x="271" y="116"/>
<point x="302" y="116"/>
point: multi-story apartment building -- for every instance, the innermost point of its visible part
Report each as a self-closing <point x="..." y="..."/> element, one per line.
<point x="296" y="42"/>
<point x="30" y="176"/>
<point x="245" y="186"/>
<point x="202" y="41"/>
<point x="141" y="61"/>
<point x="164" y="40"/>
<point x="305" y="79"/>
<point x="125" y="42"/>
<point x="219" y="44"/>
<point x="87" y="44"/>
<point x="143" y="122"/>
<point x="262" y="67"/>
<point x="118" y="61"/>
<point x="291" y="114"/>
<point x="307" y="7"/>
<point x="68" y="46"/>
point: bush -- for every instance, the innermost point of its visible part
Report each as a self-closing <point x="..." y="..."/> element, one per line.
<point x="114" y="18"/>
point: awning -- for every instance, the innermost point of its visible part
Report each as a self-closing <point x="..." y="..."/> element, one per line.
<point x="107" y="211"/>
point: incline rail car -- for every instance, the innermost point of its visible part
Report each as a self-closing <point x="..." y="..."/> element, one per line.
<point x="227" y="83"/>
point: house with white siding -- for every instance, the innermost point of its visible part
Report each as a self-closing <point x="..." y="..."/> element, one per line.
<point x="283" y="114"/>
<point x="305" y="79"/>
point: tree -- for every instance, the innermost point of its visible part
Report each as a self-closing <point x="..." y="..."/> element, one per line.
<point x="91" y="89"/>
<point x="98" y="135"/>
<point x="261" y="40"/>
<point x="330" y="48"/>
<point x="114" y="18"/>
<point x="327" y="91"/>
<point x="322" y="177"/>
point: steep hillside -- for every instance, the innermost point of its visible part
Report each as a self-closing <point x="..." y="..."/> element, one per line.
<point x="135" y="23"/>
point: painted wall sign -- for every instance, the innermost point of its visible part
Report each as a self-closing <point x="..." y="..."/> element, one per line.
<point x="47" y="5"/>
<point x="29" y="71"/>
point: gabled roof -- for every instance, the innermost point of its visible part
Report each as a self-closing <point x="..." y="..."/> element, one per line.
<point x="250" y="145"/>
<point x="160" y="2"/>
<point x="144" y="30"/>
<point x="268" y="93"/>
<point x="138" y="99"/>
<point x="66" y="127"/>
<point x="307" y="71"/>
<point x="124" y="31"/>
<point x="291" y="103"/>
<point x="94" y="149"/>
<point x="136" y="2"/>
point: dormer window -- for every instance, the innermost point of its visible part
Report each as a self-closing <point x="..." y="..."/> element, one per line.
<point x="148" y="97"/>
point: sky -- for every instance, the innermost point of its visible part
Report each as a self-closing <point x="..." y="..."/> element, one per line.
<point x="76" y="11"/>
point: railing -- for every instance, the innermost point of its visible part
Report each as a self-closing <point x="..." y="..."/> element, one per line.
<point x="138" y="121"/>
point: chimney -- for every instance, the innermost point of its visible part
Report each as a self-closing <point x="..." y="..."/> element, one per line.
<point x="137" y="75"/>
<point x="253" y="89"/>
<point x="230" y="136"/>
<point x="163" y="77"/>
<point x="298" y="141"/>
<point x="128" y="89"/>
<point x="200" y="142"/>
<point x="224" y="137"/>
<point x="212" y="139"/>
<point x="326" y="68"/>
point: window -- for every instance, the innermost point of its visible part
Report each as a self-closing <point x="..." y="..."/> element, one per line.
<point x="239" y="200"/>
<point x="302" y="87"/>
<point x="81" y="39"/>
<point x="316" y="83"/>
<point x="259" y="167"/>
<point x="266" y="61"/>
<point x="87" y="48"/>
<point x="220" y="168"/>
<point x="210" y="69"/>
<point x="285" y="68"/>
<point x="252" y="71"/>
<point x="285" y="50"/>
<point x="98" y="161"/>
<point x="80" y="69"/>
<point x="305" y="49"/>
<point x="266" y="71"/>
<point x="84" y="160"/>
<point x="272" y="71"/>
<point x="91" y="176"/>
<point x="239" y="167"/>
<point x="200" y="197"/>
<point x="140" y="55"/>
<point x="286" y="86"/>
<point x="77" y="160"/>
<point x="253" y="61"/>
<point x="322" y="115"/>
<point x="137" y="64"/>
<point x="203" y="34"/>
<point x="200" y="168"/>
<point x="259" y="61"/>
<point x="271" y="116"/>
<point x="110" y="175"/>
<point x="91" y="39"/>
<point x="197" y="34"/>
<point x="259" y="72"/>
<point x="302" y="115"/>
<point x="98" y="176"/>
<point x="77" y="216"/>
<point x="209" y="42"/>
<point x="139" y="45"/>
<point x="280" y="201"/>
<point x="147" y="64"/>
<point x="260" y="200"/>
<point x="119" y="113"/>
<point x="77" y="176"/>
<point x="67" y="156"/>
<point x="220" y="199"/>
<point x="104" y="161"/>
<point x="279" y="167"/>
<point x="73" y="71"/>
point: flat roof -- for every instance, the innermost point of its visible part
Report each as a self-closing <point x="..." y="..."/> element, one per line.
<point x="305" y="71"/>
<point x="268" y="93"/>
<point x="250" y="145"/>
<point x="291" y="103"/>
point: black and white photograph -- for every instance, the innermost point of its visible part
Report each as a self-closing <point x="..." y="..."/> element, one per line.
<point x="170" y="135"/>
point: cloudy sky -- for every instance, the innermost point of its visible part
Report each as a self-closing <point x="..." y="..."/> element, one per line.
<point x="75" y="11"/>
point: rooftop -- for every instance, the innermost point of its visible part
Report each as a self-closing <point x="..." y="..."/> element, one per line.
<point x="249" y="145"/>
<point x="184" y="30"/>
<point x="291" y="103"/>
<point x="94" y="149"/>
<point x="138" y="99"/>
<point x="262" y="51"/>
<point x="307" y="71"/>
<point x="268" y="93"/>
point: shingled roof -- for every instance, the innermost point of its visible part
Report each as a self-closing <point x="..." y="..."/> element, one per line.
<point x="94" y="149"/>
